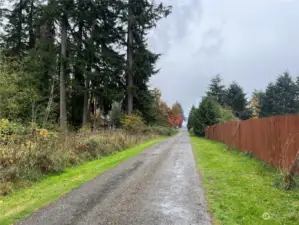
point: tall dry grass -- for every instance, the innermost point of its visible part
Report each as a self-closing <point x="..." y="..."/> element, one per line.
<point x="24" y="160"/>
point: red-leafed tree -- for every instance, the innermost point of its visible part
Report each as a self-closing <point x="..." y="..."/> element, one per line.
<point x="176" y="115"/>
<point x="175" y="121"/>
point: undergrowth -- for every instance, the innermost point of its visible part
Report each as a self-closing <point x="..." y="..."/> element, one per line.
<point x="23" y="202"/>
<point x="28" y="158"/>
<point x="280" y="181"/>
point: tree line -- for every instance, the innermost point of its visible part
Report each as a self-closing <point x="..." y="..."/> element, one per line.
<point x="74" y="61"/>
<point x="221" y="104"/>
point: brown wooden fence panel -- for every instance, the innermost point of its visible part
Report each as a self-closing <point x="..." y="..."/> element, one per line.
<point x="274" y="140"/>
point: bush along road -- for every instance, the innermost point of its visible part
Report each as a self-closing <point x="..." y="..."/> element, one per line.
<point x="158" y="186"/>
<point x="24" y="201"/>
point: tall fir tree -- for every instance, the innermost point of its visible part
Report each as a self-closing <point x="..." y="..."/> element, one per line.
<point x="217" y="90"/>
<point x="191" y="118"/>
<point x="207" y="114"/>
<point x="267" y="101"/>
<point x="236" y="99"/>
<point x="285" y="94"/>
<point x="141" y="16"/>
<point x="280" y="98"/>
<point x="72" y="52"/>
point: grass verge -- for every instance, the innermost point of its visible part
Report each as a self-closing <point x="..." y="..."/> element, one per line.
<point x="24" y="201"/>
<point x="240" y="189"/>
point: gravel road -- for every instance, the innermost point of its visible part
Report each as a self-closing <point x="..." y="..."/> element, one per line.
<point x="159" y="186"/>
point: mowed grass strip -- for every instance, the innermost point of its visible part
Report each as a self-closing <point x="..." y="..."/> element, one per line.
<point x="240" y="189"/>
<point x="23" y="202"/>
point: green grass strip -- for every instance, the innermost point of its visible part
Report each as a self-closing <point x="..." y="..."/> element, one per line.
<point x="240" y="189"/>
<point x="23" y="202"/>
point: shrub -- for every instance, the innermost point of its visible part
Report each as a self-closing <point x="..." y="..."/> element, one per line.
<point x="280" y="182"/>
<point x="85" y="130"/>
<point x="7" y="129"/>
<point x="5" y="188"/>
<point x="115" y="114"/>
<point x="165" y="131"/>
<point x="133" y="124"/>
<point x="17" y="94"/>
<point x="44" y="153"/>
<point x="226" y="115"/>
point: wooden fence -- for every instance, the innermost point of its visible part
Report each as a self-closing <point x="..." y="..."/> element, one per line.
<point x="274" y="140"/>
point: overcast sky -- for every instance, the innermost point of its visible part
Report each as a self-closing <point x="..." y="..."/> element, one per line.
<point x="248" y="41"/>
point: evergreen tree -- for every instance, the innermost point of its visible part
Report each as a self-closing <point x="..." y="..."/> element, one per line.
<point x="206" y="115"/>
<point x="285" y="89"/>
<point x="190" y="118"/>
<point x="280" y="98"/>
<point x="236" y="99"/>
<point x="98" y="67"/>
<point x="28" y="42"/>
<point x="144" y="68"/>
<point x="72" y="52"/>
<point x="64" y="26"/>
<point x="267" y="101"/>
<point x="217" y="90"/>
<point x="141" y="16"/>
<point x="13" y="40"/>
<point x="22" y="27"/>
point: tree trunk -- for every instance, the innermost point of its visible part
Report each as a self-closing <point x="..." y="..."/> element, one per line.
<point x="130" y="61"/>
<point x="85" y="104"/>
<point x="95" y="114"/>
<point x="79" y="74"/>
<point x="31" y="31"/>
<point x="20" y="15"/>
<point x="50" y="102"/>
<point x="88" y="94"/>
<point x="63" y="118"/>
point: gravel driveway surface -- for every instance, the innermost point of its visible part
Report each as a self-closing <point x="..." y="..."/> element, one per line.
<point x="159" y="186"/>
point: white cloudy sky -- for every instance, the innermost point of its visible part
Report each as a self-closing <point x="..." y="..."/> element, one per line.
<point x="248" y="41"/>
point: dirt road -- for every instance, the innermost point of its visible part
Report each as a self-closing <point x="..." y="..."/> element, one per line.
<point x="159" y="186"/>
